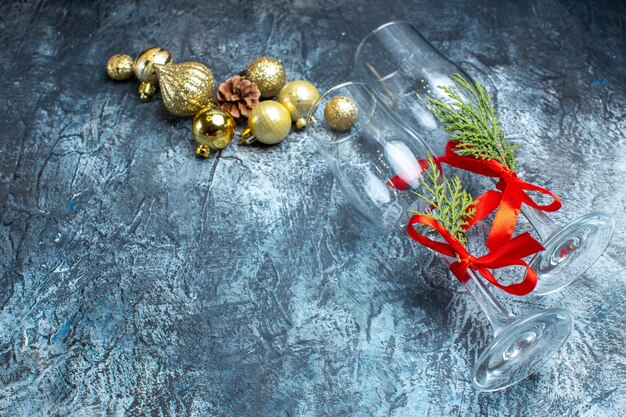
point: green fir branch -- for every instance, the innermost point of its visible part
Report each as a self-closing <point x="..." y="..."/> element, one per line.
<point x="449" y="203"/>
<point x="473" y="123"/>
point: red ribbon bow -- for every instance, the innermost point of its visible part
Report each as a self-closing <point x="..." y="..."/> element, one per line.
<point x="508" y="200"/>
<point x="509" y="254"/>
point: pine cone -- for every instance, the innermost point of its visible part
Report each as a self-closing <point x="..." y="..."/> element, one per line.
<point x="238" y="96"/>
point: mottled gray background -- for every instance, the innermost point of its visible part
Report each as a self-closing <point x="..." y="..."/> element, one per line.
<point x="139" y="280"/>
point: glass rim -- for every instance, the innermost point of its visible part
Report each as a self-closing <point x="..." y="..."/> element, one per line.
<point x="376" y="30"/>
<point x="406" y="23"/>
<point x="318" y="102"/>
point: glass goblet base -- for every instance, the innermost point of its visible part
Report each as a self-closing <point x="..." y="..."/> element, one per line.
<point x="521" y="349"/>
<point x="571" y="251"/>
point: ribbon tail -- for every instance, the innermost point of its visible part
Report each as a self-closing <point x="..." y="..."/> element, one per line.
<point x="556" y="201"/>
<point x="484" y="205"/>
<point x="511" y="254"/>
<point x="506" y="218"/>
<point x="519" y="288"/>
<point x="450" y="247"/>
<point x="515" y="249"/>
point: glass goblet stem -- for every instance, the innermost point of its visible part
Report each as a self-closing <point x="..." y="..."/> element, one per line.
<point x="498" y="316"/>
<point x="540" y="221"/>
<point x="521" y="346"/>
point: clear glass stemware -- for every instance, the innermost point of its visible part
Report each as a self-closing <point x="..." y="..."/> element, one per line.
<point x="363" y="160"/>
<point x="404" y="69"/>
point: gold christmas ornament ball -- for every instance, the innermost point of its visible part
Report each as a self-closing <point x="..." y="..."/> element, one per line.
<point x="186" y="87"/>
<point x="298" y="97"/>
<point x="120" y="67"/>
<point x="145" y="62"/>
<point x="268" y="74"/>
<point x="341" y="113"/>
<point x="269" y="123"/>
<point x="212" y="128"/>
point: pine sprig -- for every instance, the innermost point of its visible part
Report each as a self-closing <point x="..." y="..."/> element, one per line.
<point x="450" y="204"/>
<point x="473" y="123"/>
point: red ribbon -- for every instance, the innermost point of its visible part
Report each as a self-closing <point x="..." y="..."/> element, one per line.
<point x="508" y="200"/>
<point x="509" y="254"/>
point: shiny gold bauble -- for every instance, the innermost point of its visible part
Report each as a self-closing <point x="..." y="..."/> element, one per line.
<point x="269" y="123"/>
<point x="120" y="67"/>
<point x="341" y="113"/>
<point x="212" y="128"/>
<point x="145" y="62"/>
<point x="298" y="97"/>
<point x="268" y="74"/>
<point x="186" y="87"/>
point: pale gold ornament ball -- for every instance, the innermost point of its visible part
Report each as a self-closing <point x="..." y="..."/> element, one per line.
<point x="298" y="97"/>
<point x="212" y="128"/>
<point x="341" y="113"/>
<point x="269" y="123"/>
<point x="144" y="68"/>
<point x="186" y="87"/>
<point x="268" y="74"/>
<point x="120" y="67"/>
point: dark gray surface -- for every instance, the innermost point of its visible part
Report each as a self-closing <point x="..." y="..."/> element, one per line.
<point x="136" y="279"/>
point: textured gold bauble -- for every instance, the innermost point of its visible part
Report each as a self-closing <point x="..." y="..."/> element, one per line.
<point x="145" y="62"/>
<point x="341" y="113"/>
<point x="269" y="123"/>
<point x="120" y="67"/>
<point x="298" y="97"/>
<point x="212" y="128"/>
<point x="186" y="87"/>
<point x="268" y="74"/>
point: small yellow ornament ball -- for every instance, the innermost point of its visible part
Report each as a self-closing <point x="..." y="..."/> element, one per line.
<point x="341" y="113"/>
<point x="268" y="74"/>
<point x="269" y="123"/>
<point x="120" y="67"/>
<point x="212" y="128"/>
<point x="298" y="97"/>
